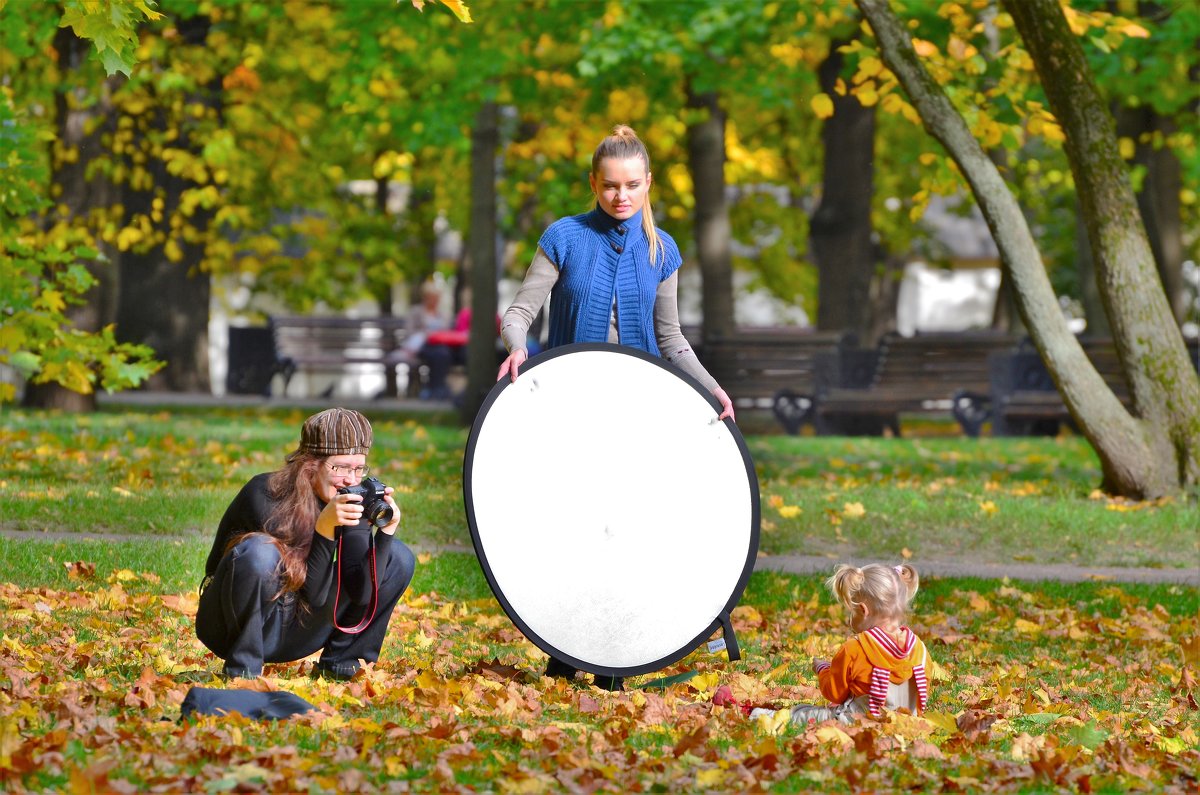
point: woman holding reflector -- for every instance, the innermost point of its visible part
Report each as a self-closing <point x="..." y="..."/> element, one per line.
<point x="612" y="276"/>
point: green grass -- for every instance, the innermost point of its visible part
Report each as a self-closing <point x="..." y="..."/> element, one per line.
<point x="171" y="473"/>
<point x="1081" y="677"/>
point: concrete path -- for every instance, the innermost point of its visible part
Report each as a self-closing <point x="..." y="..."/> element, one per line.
<point x="809" y="564"/>
<point x="790" y="564"/>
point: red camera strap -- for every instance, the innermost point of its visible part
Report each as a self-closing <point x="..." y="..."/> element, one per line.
<point x="369" y="613"/>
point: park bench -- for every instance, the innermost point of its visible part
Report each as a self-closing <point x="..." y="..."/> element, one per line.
<point x="770" y="368"/>
<point x="865" y="391"/>
<point x="1023" y="400"/>
<point x="306" y="344"/>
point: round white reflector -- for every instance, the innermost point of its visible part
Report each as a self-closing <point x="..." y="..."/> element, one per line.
<point x="615" y="517"/>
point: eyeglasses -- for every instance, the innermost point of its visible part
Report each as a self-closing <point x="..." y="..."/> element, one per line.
<point x="342" y="469"/>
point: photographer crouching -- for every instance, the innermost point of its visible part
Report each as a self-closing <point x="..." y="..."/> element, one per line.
<point x="306" y="558"/>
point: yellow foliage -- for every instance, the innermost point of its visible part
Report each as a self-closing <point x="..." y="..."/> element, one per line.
<point x="925" y="49"/>
<point x="822" y="106"/>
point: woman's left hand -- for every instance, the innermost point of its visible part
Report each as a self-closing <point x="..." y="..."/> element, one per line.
<point x="391" y="529"/>
<point x="726" y="404"/>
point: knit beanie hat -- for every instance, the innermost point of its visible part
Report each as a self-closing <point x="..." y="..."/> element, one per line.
<point x="336" y="432"/>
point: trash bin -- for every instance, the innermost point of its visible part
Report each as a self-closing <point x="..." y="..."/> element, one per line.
<point x="251" y="361"/>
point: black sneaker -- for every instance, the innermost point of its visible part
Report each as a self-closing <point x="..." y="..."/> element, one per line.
<point x="341" y="671"/>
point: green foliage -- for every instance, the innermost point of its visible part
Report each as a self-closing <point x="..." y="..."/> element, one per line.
<point x="41" y="275"/>
<point x="111" y="25"/>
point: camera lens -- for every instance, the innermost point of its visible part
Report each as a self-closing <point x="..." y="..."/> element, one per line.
<point x="380" y="514"/>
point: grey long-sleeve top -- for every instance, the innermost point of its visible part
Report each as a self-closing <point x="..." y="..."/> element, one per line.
<point x="540" y="280"/>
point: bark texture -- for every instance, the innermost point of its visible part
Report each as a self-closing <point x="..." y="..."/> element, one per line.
<point x="481" y="347"/>
<point x="706" y="158"/>
<point x="840" y="228"/>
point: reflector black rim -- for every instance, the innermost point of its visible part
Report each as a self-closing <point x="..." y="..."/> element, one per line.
<point x="481" y="554"/>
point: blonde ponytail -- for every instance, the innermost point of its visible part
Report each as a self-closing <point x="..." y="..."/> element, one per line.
<point x="885" y="590"/>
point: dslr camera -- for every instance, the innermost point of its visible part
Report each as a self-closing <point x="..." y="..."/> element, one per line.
<point x="376" y="511"/>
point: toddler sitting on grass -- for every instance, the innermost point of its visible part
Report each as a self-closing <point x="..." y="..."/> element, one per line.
<point x="883" y="667"/>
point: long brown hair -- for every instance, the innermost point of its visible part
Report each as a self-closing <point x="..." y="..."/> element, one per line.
<point x="292" y="524"/>
<point x="623" y="144"/>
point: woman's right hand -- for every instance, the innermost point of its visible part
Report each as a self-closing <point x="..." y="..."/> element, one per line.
<point x="512" y="364"/>
<point x="345" y="510"/>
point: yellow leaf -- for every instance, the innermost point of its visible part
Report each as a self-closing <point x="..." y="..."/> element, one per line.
<point x="822" y="105"/>
<point x="988" y="507"/>
<point x="459" y="8"/>
<point x="828" y="734"/>
<point x="774" y="722"/>
<point x="869" y="67"/>
<point x="705" y="682"/>
<point x="937" y="673"/>
<point x="942" y="721"/>
<point x="924" y="48"/>
<point x="1191" y="651"/>
<point x="128" y="237"/>
<point x="712" y="777"/>
<point x="854" y="510"/>
<point x="52" y="301"/>
<point x="906" y="553"/>
<point x="1027" y="626"/>
<point x="1135" y="31"/>
<point x="124" y="575"/>
<point x="789" y="511"/>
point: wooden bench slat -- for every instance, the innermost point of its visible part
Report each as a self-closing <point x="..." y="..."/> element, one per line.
<point x="1023" y="398"/>
<point x="305" y="343"/>
<point x="921" y="374"/>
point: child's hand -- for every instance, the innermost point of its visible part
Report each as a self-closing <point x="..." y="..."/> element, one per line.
<point x="819" y="665"/>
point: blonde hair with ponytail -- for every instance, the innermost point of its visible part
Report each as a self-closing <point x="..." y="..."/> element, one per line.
<point x="887" y="591"/>
<point x="623" y="144"/>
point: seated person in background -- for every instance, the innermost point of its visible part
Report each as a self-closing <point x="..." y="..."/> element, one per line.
<point x="441" y="351"/>
<point x="424" y="319"/>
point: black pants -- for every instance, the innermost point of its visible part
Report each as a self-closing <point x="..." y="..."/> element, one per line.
<point x="242" y="622"/>
<point x="440" y="359"/>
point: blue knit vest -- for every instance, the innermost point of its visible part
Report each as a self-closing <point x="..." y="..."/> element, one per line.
<point x="599" y="258"/>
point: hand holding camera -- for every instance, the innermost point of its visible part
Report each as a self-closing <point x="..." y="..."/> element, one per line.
<point x="378" y="510"/>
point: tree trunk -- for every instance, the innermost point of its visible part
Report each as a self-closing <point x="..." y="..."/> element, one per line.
<point x="1141" y="458"/>
<point x="706" y="159"/>
<point x="383" y="296"/>
<point x="1158" y="198"/>
<point x="81" y="126"/>
<point x="164" y="303"/>
<point x="481" y="345"/>
<point x="840" y="228"/>
<point x="1089" y="287"/>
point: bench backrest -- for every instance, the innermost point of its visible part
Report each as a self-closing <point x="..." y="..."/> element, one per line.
<point x="757" y="362"/>
<point x="938" y="363"/>
<point x="305" y="336"/>
<point x="1024" y="370"/>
